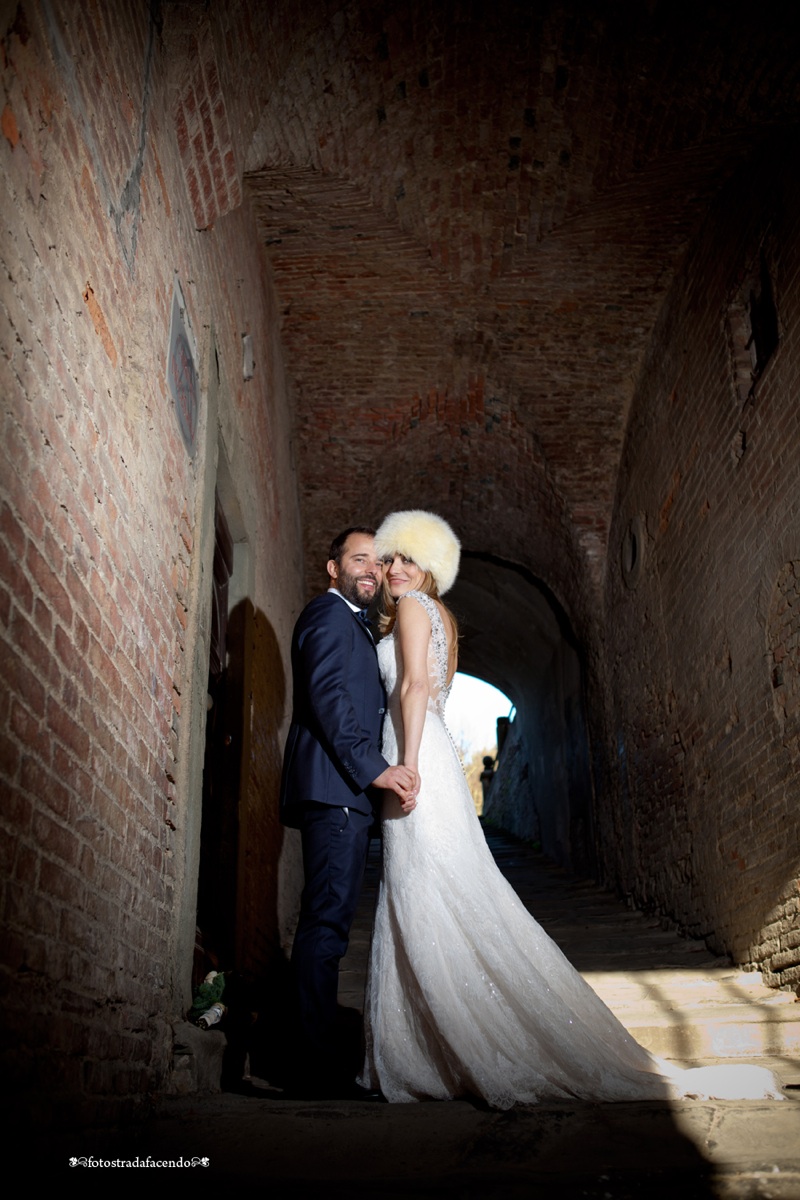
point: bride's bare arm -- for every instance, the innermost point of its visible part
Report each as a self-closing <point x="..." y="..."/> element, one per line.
<point x="413" y="632"/>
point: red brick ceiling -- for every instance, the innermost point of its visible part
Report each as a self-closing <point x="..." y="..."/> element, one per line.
<point x="473" y="221"/>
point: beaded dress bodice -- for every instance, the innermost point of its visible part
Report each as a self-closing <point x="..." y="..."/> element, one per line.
<point x="391" y="665"/>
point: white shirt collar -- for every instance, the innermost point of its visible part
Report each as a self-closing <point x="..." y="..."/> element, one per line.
<point x="336" y="592"/>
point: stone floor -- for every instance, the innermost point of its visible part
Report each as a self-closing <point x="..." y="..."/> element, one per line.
<point x="673" y="995"/>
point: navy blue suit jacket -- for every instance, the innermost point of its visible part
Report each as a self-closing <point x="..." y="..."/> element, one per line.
<point x="332" y="754"/>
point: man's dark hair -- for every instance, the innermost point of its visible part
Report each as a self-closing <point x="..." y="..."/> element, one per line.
<point x="337" y="545"/>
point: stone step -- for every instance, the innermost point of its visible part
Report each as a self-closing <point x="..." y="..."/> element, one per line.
<point x="716" y="1014"/>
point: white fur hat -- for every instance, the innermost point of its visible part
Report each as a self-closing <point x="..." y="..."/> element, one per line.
<point x="426" y="539"/>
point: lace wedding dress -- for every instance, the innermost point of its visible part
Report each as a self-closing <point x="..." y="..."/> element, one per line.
<point x="466" y="994"/>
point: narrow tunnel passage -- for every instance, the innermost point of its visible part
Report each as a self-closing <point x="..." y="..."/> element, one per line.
<point x="513" y="262"/>
<point x="515" y="635"/>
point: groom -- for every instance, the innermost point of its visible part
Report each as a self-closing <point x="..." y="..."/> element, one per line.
<point x="332" y="767"/>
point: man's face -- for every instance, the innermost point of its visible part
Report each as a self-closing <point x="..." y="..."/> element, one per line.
<point x="357" y="574"/>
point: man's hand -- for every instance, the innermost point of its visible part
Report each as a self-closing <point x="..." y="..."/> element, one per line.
<point x="403" y="781"/>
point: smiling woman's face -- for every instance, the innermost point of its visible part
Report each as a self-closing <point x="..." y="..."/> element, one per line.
<point x="401" y="574"/>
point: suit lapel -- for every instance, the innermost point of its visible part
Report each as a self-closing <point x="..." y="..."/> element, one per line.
<point x="364" y="629"/>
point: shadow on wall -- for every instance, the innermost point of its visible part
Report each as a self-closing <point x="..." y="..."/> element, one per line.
<point x="242" y="838"/>
<point x="260" y="831"/>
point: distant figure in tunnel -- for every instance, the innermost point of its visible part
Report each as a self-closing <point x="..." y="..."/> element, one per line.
<point x="332" y="766"/>
<point x="467" y="995"/>
<point x="487" y="775"/>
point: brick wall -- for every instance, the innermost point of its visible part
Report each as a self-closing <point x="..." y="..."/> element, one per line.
<point x="103" y="600"/>
<point x="702" y="652"/>
<point x="473" y="213"/>
<point x="470" y="264"/>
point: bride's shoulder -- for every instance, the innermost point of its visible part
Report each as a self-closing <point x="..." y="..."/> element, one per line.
<point x="413" y="613"/>
<point x="425" y="601"/>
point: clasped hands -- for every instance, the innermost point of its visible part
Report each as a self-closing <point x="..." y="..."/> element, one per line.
<point x="402" y="780"/>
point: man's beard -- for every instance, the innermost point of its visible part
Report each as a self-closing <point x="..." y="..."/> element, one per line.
<point x="348" y="585"/>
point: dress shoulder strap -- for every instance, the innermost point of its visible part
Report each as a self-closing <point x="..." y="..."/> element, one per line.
<point x="427" y="602"/>
<point x="438" y="635"/>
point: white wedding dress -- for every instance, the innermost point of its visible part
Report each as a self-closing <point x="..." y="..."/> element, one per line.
<point x="466" y="994"/>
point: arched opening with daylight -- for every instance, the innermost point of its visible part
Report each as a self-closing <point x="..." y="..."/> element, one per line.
<point x="514" y="635"/>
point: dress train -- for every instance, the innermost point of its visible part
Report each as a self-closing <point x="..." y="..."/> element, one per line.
<point x="466" y="994"/>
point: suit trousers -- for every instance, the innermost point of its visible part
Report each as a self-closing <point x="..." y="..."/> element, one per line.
<point x="335" y="843"/>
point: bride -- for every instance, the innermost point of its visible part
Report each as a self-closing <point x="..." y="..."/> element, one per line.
<point x="466" y="993"/>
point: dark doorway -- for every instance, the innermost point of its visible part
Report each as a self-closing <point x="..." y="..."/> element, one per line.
<point x="219" y="837"/>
